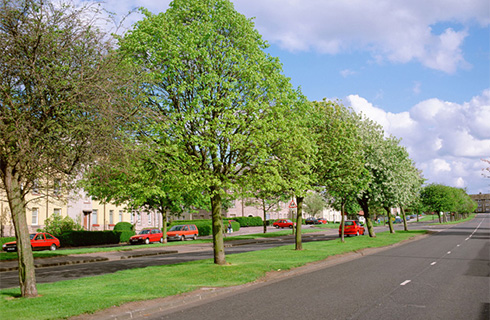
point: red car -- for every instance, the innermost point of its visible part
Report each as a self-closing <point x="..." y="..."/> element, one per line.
<point x="352" y="227"/>
<point x="283" y="223"/>
<point x="323" y="221"/>
<point x="182" y="232"/>
<point x="39" y="241"/>
<point x="146" y="236"/>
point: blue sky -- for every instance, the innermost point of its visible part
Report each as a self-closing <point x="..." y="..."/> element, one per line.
<point x="420" y="68"/>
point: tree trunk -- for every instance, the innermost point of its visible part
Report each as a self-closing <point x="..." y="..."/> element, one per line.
<point x="390" y="222"/>
<point x="342" y="221"/>
<point x="163" y="211"/>
<point x="439" y="215"/>
<point x="217" y="221"/>
<point x="299" y="221"/>
<point x="27" y="276"/>
<point x="364" y="205"/>
<point x="405" y="226"/>
<point x="265" y="215"/>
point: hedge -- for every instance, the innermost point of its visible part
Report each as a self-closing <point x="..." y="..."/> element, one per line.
<point x="249" y="221"/>
<point x="7" y="239"/>
<point x="91" y="238"/>
<point x="123" y="226"/>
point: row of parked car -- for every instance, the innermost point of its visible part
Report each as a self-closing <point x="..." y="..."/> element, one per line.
<point x="44" y="240"/>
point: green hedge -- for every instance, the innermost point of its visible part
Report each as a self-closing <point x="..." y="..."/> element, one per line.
<point x="123" y="226"/>
<point x="91" y="238"/>
<point x="7" y="239"/>
<point x="249" y="221"/>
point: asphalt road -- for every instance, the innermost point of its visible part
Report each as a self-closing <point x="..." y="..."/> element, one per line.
<point x="443" y="276"/>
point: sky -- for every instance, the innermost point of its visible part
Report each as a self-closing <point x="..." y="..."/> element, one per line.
<point x="420" y="68"/>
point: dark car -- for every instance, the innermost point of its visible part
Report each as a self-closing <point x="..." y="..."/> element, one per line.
<point x="147" y="235"/>
<point x="39" y="241"/>
<point x="352" y="227"/>
<point x="312" y="220"/>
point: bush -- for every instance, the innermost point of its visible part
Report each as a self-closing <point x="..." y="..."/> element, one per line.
<point x="92" y="238"/>
<point x="249" y="221"/>
<point x="56" y="225"/>
<point x="125" y="235"/>
<point x="123" y="226"/>
<point x="6" y="239"/>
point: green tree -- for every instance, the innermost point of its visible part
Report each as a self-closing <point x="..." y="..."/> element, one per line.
<point x="314" y="203"/>
<point x="56" y="225"/>
<point x="142" y="182"/>
<point x="63" y="92"/>
<point x="375" y="160"/>
<point x="217" y="100"/>
<point x="437" y="198"/>
<point x="339" y="165"/>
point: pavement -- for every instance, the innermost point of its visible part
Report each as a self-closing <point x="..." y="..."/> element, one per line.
<point x="141" y="251"/>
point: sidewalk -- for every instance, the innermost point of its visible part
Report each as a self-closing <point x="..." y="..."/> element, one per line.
<point x="141" y="251"/>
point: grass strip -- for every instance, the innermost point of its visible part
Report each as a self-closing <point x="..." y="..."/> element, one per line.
<point x="87" y="295"/>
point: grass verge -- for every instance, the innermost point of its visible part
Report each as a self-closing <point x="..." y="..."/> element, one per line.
<point x="87" y="295"/>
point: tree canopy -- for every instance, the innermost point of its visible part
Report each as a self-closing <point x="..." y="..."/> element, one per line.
<point x="64" y="93"/>
<point x="217" y="100"/>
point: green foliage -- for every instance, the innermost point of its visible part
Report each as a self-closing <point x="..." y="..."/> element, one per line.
<point x="222" y="99"/>
<point x="57" y="225"/>
<point x="314" y="203"/>
<point x="6" y="239"/>
<point x="440" y="198"/>
<point x="124" y="226"/>
<point x="249" y="221"/>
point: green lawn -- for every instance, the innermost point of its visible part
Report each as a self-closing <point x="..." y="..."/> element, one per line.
<point x="73" y="297"/>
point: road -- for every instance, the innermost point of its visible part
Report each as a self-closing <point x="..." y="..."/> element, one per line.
<point x="443" y="276"/>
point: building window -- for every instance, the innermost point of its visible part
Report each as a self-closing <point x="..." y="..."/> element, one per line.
<point x="57" y="211"/>
<point x="94" y="216"/>
<point x="132" y="217"/>
<point x="35" y="216"/>
<point x="120" y="215"/>
<point x="111" y="216"/>
<point x="139" y="217"/>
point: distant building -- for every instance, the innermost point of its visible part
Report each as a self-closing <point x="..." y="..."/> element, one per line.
<point x="483" y="200"/>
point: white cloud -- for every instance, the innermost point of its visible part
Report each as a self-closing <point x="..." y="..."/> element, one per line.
<point x="347" y="72"/>
<point x="445" y="139"/>
<point x="395" y="30"/>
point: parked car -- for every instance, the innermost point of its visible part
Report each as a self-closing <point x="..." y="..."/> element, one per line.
<point x="283" y="223"/>
<point x="311" y="220"/>
<point x="39" y="241"/>
<point x="322" y="221"/>
<point x="182" y="232"/>
<point x="147" y="236"/>
<point x="398" y="219"/>
<point x="351" y="227"/>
